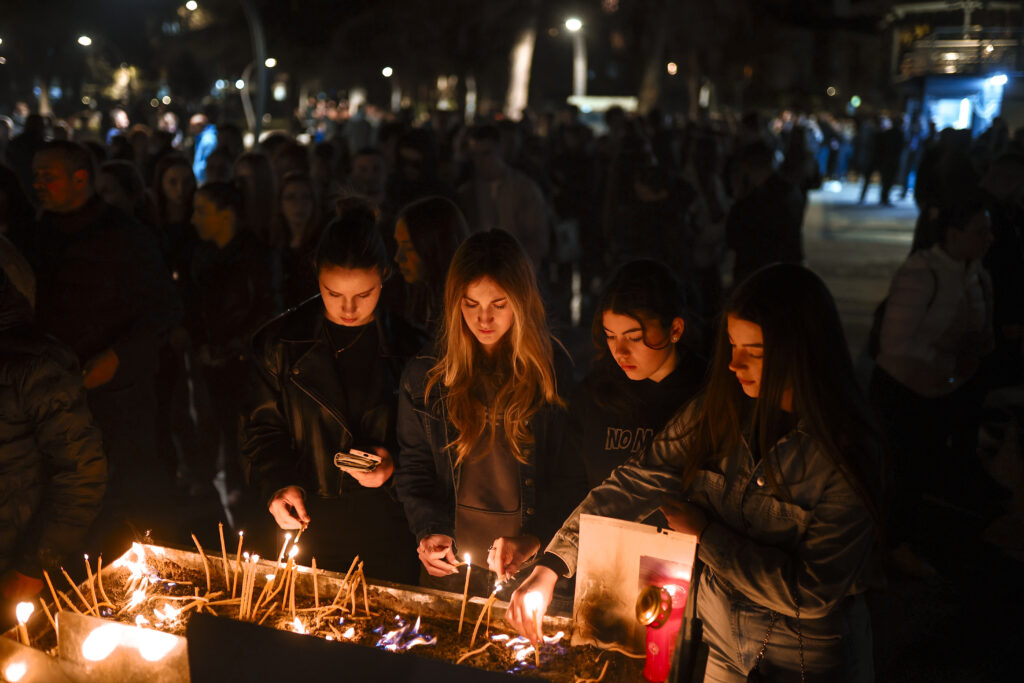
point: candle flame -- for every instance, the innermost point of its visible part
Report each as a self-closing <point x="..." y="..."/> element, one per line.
<point x="405" y="637"/>
<point x="298" y="626"/>
<point x="15" y="671"/>
<point x="466" y="558"/>
<point x="270" y="577"/>
<point x="169" y="613"/>
<point x="522" y="654"/>
<point x="533" y="601"/>
<point x="293" y="551"/>
<point x="350" y="633"/>
<point x="517" y="642"/>
<point x="499" y="637"/>
<point x="24" y="611"/>
<point x="255" y="559"/>
<point x="141" y="621"/>
<point x="555" y="639"/>
<point x="138" y="597"/>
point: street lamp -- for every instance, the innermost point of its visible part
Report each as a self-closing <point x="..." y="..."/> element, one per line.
<point x="579" y="56"/>
<point x="270" y="62"/>
<point x="191" y="5"/>
<point x="84" y="41"/>
<point x="387" y="72"/>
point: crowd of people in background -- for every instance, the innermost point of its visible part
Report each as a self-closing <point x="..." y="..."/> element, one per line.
<point x="138" y="267"/>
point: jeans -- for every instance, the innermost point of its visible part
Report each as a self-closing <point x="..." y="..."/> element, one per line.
<point x="836" y="648"/>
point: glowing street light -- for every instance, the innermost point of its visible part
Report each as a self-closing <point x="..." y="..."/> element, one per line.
<point x="191" y="5"/>
<point x="579" y="56"/>
<point x="270" y="62"/>
<point x="84" y="41"/>
<point x="239" y="84"/>
<point x="672" y="68"/>
<point x="387" y="72"/>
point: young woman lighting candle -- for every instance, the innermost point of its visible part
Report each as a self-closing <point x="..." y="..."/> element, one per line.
<point x="776" y="468"/>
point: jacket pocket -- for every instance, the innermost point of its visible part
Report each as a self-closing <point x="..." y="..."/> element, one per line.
<point x="707" y="490"/>
<point x="773" y="521"/>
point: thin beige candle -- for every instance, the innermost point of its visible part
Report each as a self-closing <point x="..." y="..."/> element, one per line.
<point x="53" y="592"/>
<point x="465" y="593"/>
<point x="77" y="592"/>
<point x="483" y="611"/>
<point x="263" y="593"/>
<point x="224" y="556"/>
<point x="533" y="601"/>
<point x="92" y="588"/>
<point x="291" y="587"/>
<point x="366" y="600"/>
<point x="99" y="579"/>
<point x="206" y="565"/>
<point x="284" y="547"/>
<point x="48" y="615"/>
<point x="23" y="611"/>
<point x="316" y="587"/>
<point x="238" y="562"/>
<point x="243" y="607"/>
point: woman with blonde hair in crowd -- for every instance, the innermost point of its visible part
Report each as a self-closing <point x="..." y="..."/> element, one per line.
<point x="480" y="421"/>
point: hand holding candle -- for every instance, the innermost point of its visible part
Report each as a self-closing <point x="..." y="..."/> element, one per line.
<point x="523" y="617"/>
<point x="533" y="603"/>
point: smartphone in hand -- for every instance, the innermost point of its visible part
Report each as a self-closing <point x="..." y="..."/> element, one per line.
<point x="359" y="461"/>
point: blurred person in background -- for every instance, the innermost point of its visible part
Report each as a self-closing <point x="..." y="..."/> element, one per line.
<point x="427" y="234"/>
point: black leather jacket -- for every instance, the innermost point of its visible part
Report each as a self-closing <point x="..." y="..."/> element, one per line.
<point x="427" y="480"/>
<point x="293" y="423"/>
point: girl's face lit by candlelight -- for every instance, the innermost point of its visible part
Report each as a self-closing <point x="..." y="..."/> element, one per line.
<point x="487" y="311"/>
<point x="350" y="295"/>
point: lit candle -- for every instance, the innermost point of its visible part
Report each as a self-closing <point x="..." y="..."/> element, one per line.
<point x="485" y="610"/>
<point x="533" y="602"/>
<point x="24" y="611"/>
<point x="92" y="588"/>
<point x="284" y="546"/>
<point x="465" y="593"/>
<point x="238" y="562"/>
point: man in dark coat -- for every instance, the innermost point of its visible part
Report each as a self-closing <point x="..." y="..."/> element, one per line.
<point x="51" y="456"/>
<point x="103" y="291"/>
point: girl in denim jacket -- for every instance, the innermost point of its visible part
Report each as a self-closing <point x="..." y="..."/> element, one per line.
<point x="775" y="469"/>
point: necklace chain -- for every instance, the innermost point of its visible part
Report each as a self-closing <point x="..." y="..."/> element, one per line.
<point x="346" y="347"/>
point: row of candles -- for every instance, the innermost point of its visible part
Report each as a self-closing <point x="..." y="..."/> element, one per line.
<point x="241" y="584"/>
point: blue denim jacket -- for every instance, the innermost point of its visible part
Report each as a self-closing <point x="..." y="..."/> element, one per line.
<point x="818" y="549"/>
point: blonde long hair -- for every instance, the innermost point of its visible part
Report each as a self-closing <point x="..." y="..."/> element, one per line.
<point x="524" y="354"/>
